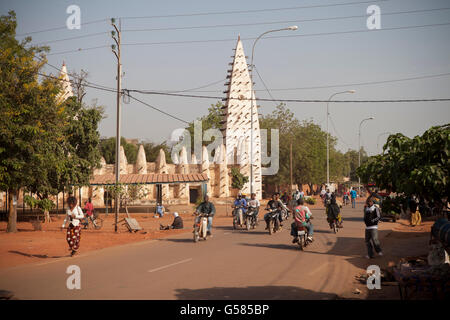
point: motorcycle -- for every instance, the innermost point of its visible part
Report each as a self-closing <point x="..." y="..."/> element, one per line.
<point x="250" y="218"/>
<point x="274" y="222"/>
<point x="238" y="216"/>
<point x="334" y="226"/>
<point x="200" y="226"/>
<point x="285" y="213"/>
<point x="302" y="234"/>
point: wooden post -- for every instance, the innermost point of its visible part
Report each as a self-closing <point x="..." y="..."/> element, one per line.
<point x="291" y="165"/>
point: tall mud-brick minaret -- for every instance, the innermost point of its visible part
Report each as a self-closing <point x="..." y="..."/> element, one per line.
<point x="239" y="104"/>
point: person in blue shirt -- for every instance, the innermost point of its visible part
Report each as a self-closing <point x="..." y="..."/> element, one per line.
<point x="240" y="201"/>
<point x="159" y="211"/>
<point x="353" y="196"/>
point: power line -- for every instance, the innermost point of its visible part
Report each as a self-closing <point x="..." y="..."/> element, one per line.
<point x="207" y="13"/>
<point x="59" y="28"/>
<point x="157" y="109"/>
<point x="201" y="87"/>
<point x="277" y="22"/>
<point x="250" y="11"/>
<point x="240" y="24"/>
<point x="290" y="100"/>
<point x="73" y="38"/>
<point x="246" y="39"/>
<point x="264" y="84"/>
<point x="290" y="36"/>
<point x="335" y="130"/>
<point x="77" y="50"/>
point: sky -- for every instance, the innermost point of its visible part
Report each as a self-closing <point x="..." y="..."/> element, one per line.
<point x="322" y="57"/>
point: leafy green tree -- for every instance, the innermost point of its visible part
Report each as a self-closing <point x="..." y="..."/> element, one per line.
<point x="152" y="151"/>
<point x="28" y="112"/>
<point x="45" y="144"/>
<point x="419" y="166"/>
<point x="238" y="180"/>
<point x="108" y="150"/>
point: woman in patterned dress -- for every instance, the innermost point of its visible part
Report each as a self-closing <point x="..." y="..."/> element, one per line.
<point x="74" y="215"/>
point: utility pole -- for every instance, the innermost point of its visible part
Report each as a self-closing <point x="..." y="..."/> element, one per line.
<point x="290" y="158"/>
<point x="116" y="35"/>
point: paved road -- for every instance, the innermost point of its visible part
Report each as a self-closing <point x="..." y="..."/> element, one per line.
<point x="234" y="264"/>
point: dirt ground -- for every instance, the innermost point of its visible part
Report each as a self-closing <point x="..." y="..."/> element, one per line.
<point x="402" y="242"/>
<point x="29" y="246"/>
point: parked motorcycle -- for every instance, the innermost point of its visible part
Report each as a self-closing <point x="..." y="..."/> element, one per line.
<point x="274" y="222"/>
<point x="200" y="226"/>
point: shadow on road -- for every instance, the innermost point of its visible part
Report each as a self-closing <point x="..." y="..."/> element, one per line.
<point x="42" y="256"/>
<point x="252" y="293"/>
<point x="271" y="246"/>
<point x="228" y="228"/>
<point x="185" y="240"/>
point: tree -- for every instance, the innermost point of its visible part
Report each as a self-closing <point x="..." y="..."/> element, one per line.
<point x="238" y="180"/>
<point x="28" y="112"/>
<point x="45" y="144"/>
<point x="213" y="120"/>
<point x="108" y="150"/>
<point x="419" y="166"/>
<point x="152" y="151"/>
<point x="127" y="193"/>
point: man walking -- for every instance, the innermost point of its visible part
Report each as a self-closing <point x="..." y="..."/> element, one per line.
<point x="353" y="197"/>
<point x="371" y="218"/>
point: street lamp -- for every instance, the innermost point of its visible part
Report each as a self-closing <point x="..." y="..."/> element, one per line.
<point x="328" y="134"/>
<point x="359" y="151"/>
<point x="292" y="28"/>
<point x="380" y="136"/>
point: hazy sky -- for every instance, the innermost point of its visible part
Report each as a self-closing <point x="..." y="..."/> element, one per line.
<point x="297" y="60"/>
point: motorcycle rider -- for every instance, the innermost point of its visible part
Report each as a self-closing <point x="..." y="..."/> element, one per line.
<point x="333" y="211"/>
<point x="274" y="204"/>
<point x="206" y="207"/>
<point x="240" y="202"/>
<point x="254" y="204"/>
<point x="301" y="215"/>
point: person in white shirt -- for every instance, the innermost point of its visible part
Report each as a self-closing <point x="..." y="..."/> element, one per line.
<point x="73" y="215"/>
<point x="254" y="203"/>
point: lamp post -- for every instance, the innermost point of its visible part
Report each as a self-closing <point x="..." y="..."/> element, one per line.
<point x="252" y="98"/>
<point x="359" y="151"/>
<point x="380" y="136"/>
<point x="328" y="134"/>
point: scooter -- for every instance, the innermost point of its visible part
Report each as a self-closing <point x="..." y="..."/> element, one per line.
<point x="250" y="218"/>
<point x="302" y="234"/>
<point x="200" y="226"/>
<point x="238" y="216"/>
<point x="274" y="222"/>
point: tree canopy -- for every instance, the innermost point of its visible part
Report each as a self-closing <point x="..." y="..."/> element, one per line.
<point x="45" y="144"/>
<point x="418" y="166"/>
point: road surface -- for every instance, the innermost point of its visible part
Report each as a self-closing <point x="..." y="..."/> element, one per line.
<point x="233" y="264"/>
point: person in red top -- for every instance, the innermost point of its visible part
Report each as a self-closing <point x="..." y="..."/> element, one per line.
<point x="89" y="208"/>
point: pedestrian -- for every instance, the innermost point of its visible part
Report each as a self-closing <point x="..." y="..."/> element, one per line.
<point x="371" y="218"/>
<point x="416" y="218"/>
<point x="353" y="197"/>
<point x="159" y="211"/>
<point x="176" y="224"/>
<point x="89" y="207"/>
<point x="73" y="215"/>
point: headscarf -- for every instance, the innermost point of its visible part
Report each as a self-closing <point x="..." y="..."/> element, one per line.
<point x="175" y="214"/>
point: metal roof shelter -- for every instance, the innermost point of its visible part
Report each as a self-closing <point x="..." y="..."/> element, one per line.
<point x="154" y="178"/>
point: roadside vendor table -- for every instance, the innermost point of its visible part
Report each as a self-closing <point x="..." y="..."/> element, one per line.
<point x="419" y="278"/>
